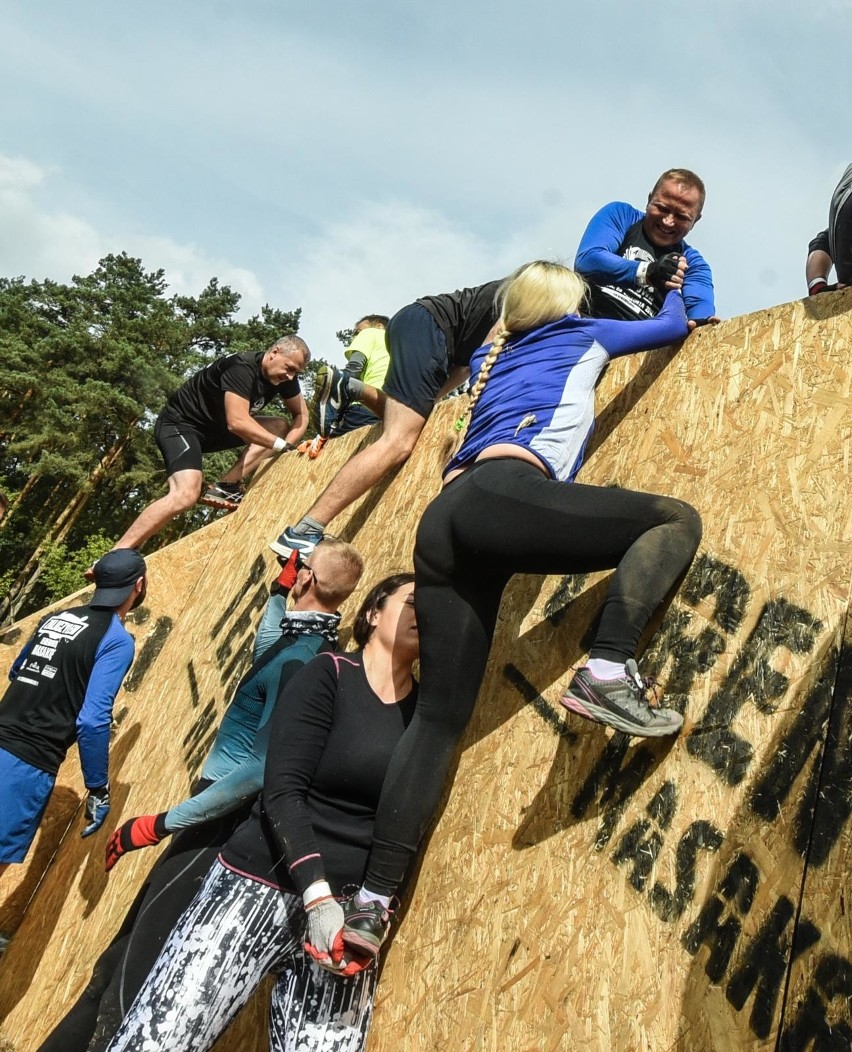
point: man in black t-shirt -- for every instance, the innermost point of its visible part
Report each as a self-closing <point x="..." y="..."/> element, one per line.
<point x="430" y="343"/>
<point x="214" y="410"/>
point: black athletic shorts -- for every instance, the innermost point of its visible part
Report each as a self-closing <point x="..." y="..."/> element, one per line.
<point x="182" y="446"/>
<point x="418" y="359"/>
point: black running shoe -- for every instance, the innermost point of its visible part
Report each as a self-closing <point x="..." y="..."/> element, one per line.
<point x="223" y="495"/>
<point x="331" y="398"/>
<point x="365" y="927"/>
<point x="620" y="703"/>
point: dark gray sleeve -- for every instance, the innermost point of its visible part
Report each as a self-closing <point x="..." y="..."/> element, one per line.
<point x="356" y="364"/>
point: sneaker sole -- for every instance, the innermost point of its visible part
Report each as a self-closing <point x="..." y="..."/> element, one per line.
<point x="589" y="711"/>
<point x="284" y="551"/>
<point x="323" y="397"/>
<point x="281" y="550"/>
<point x="362" y="943"/>
<point x="219" y="502"/>
<point x="313" y="407"/>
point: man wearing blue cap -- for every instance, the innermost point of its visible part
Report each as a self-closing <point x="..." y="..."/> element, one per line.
<point x="64" y="683"/>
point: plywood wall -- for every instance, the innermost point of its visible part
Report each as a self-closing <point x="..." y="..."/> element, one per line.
<point x="170" y="580"/>
<point x="581" y="888"/>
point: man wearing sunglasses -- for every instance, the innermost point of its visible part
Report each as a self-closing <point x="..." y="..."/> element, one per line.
<point x="632" y="259"/>
<point x="231" y="778"/>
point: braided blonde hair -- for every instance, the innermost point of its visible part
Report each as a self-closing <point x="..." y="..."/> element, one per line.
<point x="536" y="294"/>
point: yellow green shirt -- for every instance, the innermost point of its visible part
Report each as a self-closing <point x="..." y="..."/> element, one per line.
<point x="372" y="343"/>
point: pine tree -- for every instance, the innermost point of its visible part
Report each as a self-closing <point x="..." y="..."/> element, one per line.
<point x="84" y="369"/>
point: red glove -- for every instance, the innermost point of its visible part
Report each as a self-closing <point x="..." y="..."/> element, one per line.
<point x="354" y="963"/>
<point x="287" y="578"/>
<point x="316" y="446"/>
<point x="144" y="831"/>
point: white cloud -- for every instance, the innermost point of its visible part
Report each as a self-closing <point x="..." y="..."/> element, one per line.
<point x="379" y="258"/>
<point x="37" y="241"/>
<point x="188" y="269"/>
<point x="349" y="159"/>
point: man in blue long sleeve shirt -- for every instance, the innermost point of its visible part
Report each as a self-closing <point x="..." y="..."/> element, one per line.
<point x="64" y="683"/>
<point x="631" y="259"/>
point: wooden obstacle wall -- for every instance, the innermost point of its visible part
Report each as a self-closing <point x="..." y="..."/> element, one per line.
<point x="581" y="888"/>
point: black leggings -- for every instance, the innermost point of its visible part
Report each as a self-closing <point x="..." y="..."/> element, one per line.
<point x="499" y="518"/>
<point x="124" y="966"/>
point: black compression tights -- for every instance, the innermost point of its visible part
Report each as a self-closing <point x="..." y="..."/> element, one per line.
<point x="499" y="518"/>
<point x="123" y="967"/>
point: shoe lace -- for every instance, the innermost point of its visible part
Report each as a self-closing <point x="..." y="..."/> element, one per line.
<point x="647" y="687"/>
<point x="349" y="891"/>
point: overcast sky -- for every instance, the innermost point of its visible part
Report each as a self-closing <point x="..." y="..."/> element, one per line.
<point x="348" y="157"/>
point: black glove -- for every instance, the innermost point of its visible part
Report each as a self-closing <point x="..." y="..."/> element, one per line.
<point x="661" y="271"/>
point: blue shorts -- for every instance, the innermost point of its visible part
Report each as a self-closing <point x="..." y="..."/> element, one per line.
<point x="354" y="416"/>
<point x="24" y="792"/>
<point x="418" y="359"/>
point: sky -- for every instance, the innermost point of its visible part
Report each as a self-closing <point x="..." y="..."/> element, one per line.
<point x="348" y="157"/>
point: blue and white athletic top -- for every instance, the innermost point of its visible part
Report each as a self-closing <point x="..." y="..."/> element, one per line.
<point x="541" y="391"/>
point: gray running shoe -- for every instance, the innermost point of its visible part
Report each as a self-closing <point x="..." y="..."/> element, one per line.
<point x="620" y="703"/>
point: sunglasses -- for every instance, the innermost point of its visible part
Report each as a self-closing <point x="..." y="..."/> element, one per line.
<point x="303" y="564"/>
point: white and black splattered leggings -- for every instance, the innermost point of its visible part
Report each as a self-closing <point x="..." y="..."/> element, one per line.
<point x="234" y="932"/>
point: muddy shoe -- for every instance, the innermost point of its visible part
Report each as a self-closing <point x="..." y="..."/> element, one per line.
<point x="621" y="703"/>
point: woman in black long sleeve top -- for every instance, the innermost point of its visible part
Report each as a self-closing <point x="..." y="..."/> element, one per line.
<point x="269" y="902"/>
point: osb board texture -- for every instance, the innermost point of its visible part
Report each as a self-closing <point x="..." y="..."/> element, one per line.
<point x="212" y="586"/>
<point x="586" y="890"/>
<point x="580" y="887"/>
<point x="169" y="589"/>
<point x="817" y="1007"/>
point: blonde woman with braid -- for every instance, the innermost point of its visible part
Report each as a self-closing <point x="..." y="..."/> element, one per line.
<point x="510" y="505"/>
